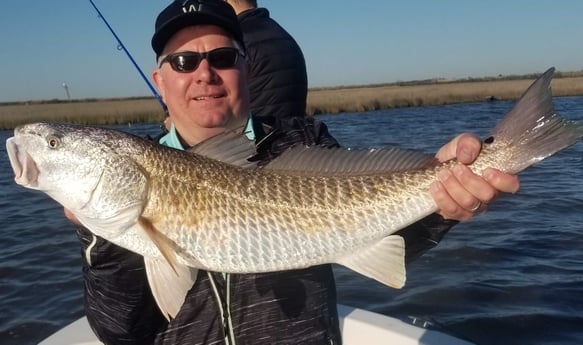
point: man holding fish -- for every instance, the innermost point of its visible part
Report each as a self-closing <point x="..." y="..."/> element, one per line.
<point x="202" y="78"/>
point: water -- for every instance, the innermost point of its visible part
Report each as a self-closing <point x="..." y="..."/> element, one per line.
<point x="511" y="276"/>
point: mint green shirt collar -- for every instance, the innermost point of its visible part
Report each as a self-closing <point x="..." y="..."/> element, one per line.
<point x="171" y="138"/>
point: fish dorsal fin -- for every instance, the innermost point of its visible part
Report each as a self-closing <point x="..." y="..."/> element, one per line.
<point x="231" y="147"/>
<point x="339" y="160"/>
<point x="169" y="285"/>
<point x="383" y="261"/>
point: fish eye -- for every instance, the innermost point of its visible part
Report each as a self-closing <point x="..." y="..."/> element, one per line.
<point x="53" y="142"/>
<point x="489" y="140"/>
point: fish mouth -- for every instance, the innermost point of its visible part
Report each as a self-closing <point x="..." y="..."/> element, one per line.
<point x="24" y="167"/>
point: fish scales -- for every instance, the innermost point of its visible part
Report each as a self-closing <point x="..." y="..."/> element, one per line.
<point x="224" y="213"/>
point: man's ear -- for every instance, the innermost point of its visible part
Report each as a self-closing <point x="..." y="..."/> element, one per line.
<point x="159" y="82"/>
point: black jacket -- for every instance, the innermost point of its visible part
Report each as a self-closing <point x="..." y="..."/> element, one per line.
<point x="289" y="307"/>
<point x="278" y="81"/>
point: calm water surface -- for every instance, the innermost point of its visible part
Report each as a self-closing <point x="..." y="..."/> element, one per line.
<point x="511" y="276"/>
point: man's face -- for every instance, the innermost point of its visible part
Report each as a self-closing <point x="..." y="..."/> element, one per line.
<point x="204" y="101"/>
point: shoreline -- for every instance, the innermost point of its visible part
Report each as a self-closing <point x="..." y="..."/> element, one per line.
<point x="320" y="101"/>
<point x="358" y="99"/>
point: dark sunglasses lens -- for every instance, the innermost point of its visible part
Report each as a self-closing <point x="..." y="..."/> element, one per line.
<point x="223" y="58"/>
<point x="185" y="62"/>
<point x="220" y="58"/>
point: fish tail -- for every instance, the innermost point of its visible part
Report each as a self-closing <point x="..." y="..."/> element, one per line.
<point x="532" y="128"/>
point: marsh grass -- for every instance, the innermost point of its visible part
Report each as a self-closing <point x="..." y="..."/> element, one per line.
<point x="92" y="112"/>
<point x="330" y="101"/>
<point x="320" y="101"/>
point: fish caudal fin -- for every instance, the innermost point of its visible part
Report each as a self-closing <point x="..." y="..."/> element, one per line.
<point x="169" y="285"/>
<point x="384" y="261"/>
<point x="532" y="129"/>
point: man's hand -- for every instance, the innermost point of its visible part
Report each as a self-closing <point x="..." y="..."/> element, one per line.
<point x="460" y="194"/>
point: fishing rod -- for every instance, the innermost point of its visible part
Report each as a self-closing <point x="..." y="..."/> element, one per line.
<point x="122" y="46"/>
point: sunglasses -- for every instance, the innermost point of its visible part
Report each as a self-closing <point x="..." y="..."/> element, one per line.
<point x="220" y="58"/>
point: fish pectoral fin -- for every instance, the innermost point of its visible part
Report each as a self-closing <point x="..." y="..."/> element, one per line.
<point x="166" y="246"/>
<point x="383" y="261"/>
<point x="169" y="285"/>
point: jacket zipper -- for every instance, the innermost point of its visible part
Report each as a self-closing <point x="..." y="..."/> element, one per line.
<point x="224" y="308"/>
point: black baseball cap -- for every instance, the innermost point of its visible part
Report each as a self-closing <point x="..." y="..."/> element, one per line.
<point x="183" y="13"/>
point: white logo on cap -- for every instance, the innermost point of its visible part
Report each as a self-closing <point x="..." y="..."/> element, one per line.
<point x="191" y="8"/>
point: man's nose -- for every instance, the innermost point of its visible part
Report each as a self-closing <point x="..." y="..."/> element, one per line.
<point x="205" y="73"/>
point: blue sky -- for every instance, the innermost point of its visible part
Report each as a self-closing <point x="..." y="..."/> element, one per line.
<point x="48" y="43"/>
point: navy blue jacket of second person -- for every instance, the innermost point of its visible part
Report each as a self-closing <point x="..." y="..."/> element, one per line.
<point x="278" y="80"/>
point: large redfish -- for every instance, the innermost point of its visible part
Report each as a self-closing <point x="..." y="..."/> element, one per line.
<point x="185" y="211"/>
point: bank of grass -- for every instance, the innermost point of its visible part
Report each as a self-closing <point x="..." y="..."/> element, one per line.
<point x="320" y="101"/>
<point x="86" y="112"/>
<point x="357" y="99"/>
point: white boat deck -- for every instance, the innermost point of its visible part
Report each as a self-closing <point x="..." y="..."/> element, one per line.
<point x="358" y="327"/>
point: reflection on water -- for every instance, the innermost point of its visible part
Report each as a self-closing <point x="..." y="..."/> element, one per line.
<point x="512" y="276"/>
